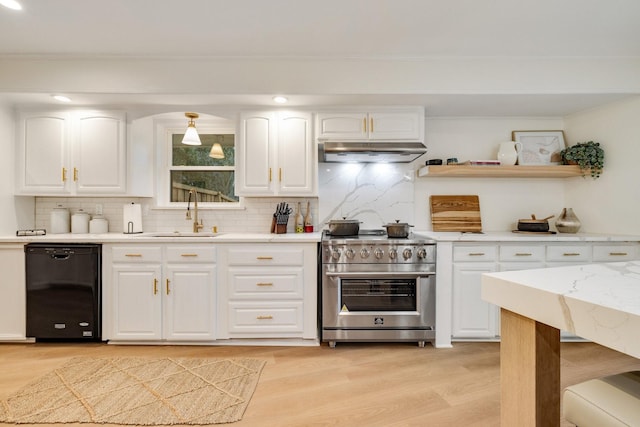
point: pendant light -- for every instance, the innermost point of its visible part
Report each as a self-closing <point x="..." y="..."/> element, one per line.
<point x="191" y="134"/>
<point x="216" y="151"/>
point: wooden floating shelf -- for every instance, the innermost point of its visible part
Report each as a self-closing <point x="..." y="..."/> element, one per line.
<point x="546" y="171"/>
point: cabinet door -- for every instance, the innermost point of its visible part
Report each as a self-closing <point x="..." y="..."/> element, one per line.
<point x="400" y="126"/>
<point x="189" y="296"/>
<point x="137" y="302"/>
<point x="12" y="293"/>
<point x="255" y="148"/>
<point x="99" y="161"/>
<point x="296" y="155"/>
<point x="472" y="317"/>
<point x="343" y="126"/>
<point x="42" y="164"/>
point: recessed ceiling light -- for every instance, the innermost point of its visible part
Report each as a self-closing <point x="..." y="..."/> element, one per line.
<point x="11" y="4"/>
<point x="61" y="98"/>
<point x="280" y="99"/>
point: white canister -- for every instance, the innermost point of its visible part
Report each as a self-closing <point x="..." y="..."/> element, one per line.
<point x="80" y="222"/>
<point x="98" y="225"/>
<point x="59" y="220"/>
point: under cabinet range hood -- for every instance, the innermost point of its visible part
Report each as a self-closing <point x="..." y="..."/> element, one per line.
<point x="369" y="152"/>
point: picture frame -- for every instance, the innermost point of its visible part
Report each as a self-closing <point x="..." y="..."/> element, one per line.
<point x="539" y="147"/>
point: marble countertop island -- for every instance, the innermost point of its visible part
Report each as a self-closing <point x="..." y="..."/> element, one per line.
<point x="600" y="302"/>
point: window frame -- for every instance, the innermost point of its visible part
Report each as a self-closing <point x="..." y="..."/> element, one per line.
<point x="165" y="132"/>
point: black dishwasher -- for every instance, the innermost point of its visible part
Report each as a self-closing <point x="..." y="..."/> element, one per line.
<point x="63" y="291"/>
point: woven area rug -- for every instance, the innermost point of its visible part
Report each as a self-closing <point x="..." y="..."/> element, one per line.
<point x="140" y="391"/>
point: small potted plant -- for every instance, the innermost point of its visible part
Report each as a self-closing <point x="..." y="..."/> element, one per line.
<point x="588" y="155"/>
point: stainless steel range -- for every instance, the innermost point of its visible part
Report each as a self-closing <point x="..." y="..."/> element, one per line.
<point x="376" y="288"/>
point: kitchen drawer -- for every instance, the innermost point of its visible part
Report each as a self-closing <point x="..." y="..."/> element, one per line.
<point x="191" y="253"/>
<point x="137" y="254"/>
<point x="611" y="253"/>
<point x="521" y="253"/>
<point x="475" y="253"/>
<point x="266" y="255"/>
<point x="264" y="283"/>
<point x="568" y="253"/>
<point x="266" y="318"/>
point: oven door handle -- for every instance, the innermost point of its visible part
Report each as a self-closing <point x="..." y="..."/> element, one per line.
<point x="380" y="274"/>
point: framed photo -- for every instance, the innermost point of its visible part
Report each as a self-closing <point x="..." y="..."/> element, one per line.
<point x="539" y="147"/>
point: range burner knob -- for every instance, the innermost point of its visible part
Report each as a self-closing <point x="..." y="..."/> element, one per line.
<point x="364" y="253"/>
<point x="335" y="254"/>
<point x="422" y="253"/>
<point x="407" y="253"/>
<point x="379" y="253"/>
<point x="350" y="253"/>
<point x="393" y="253"/>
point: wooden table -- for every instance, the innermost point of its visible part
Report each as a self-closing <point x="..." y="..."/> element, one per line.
<point x="599" y="302"/>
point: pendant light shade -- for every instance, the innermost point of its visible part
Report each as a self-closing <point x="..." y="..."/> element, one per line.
<point x="191" y="136"/>
<point x="216" y="151"/>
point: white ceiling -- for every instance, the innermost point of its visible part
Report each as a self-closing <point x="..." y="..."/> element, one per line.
<point x="328" y="29"/>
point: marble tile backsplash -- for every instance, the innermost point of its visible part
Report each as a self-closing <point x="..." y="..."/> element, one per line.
<point x="373" y="193"/>
<point x="254" y="217"/>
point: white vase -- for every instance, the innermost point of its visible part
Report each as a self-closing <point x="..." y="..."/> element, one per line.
<point x="507" y="153"/>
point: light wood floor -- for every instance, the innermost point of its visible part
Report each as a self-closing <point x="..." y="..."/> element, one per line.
<point x="351" y="385"/>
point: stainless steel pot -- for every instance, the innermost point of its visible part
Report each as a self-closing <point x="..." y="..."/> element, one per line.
<point x="344" y="227"/>
<point x="399" y="229"/>
<point x="533" y="224"/>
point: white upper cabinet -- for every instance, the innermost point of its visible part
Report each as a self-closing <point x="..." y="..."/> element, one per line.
<point x="276" y="154"/>
<point x="401" y="124"/>
<point x="68" y="153"/>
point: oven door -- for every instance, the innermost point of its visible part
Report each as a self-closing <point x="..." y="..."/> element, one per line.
<point x="378" y="300"/>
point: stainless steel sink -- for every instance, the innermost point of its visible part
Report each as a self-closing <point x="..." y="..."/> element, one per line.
<point x="179" y="234"/>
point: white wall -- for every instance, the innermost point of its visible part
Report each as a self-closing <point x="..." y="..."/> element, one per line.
<point x="610" y="204"/>
<point x="15" y="212"/>
<point x="502" y="200"/>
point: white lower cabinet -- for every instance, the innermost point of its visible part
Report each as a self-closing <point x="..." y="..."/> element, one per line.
<point x="270" y="291"/>
<point x="160" y="292"/>
<point x="13" y="299"/>
<point x="473" y="318"/>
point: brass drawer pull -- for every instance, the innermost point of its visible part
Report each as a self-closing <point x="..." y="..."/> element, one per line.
<point x="134" y="255"/>
<point x="64" y="174"/>
<point x="264" y="284"/>
<point x="269" y="174"/>
<point x="371" y="125"/>
<point x="364" y="124"/>
<point x="264" y="257"/>
<point x="264" y="317"/>
<point x="75" y="174"/>
<point x="523" y="254"/>
<point x="188" y="255"/>
<point x="618" y="253"/>
<point x="571" y="254"/>
<point x="476" y="253"/>
<point x="155" y="286"/>
<point x="279" y="174"/>
<point x="168" y="290"/>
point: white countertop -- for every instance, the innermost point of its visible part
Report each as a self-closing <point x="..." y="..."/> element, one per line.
<point x="165" y="237"/>
<point x="491" y="236"/>
<point x="600" y="302"/>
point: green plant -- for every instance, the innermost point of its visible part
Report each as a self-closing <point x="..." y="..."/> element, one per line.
<point x="589" y="156"/>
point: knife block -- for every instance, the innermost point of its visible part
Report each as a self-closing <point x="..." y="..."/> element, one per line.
<point x="278" y="228"/>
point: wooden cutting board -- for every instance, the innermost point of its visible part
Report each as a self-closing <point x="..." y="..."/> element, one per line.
<point x="455" y="213"/>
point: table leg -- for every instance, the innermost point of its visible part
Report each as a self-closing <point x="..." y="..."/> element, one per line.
<point x="529" y="372"/>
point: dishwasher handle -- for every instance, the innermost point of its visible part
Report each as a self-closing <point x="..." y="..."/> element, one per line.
<point x="60" y="257"/>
